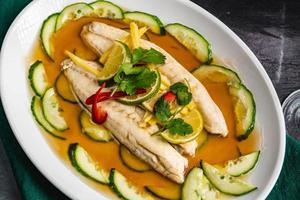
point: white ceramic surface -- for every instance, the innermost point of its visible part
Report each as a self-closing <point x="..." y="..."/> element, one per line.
<point x="16" y="95"/>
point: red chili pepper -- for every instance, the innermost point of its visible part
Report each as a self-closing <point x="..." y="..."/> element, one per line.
<point x="169" y="97"/>
<point x="98" y="115"/>
<point x="107" y="95"/>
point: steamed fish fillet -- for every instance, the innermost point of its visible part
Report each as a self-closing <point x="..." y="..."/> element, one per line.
<point x="123" y="122"/>
<point x="99" y="37"/>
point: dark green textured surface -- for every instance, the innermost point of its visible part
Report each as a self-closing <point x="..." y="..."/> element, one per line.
<point x="34" y="186"/>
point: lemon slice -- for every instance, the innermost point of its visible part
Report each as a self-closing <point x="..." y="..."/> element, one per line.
<point x="119" y="54"/>
<point x="194" y="118"/>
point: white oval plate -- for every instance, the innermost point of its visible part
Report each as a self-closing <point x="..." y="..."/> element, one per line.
<point x="16" y="95"/>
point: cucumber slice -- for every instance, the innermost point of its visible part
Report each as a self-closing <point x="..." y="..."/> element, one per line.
<point x="85" y="165"/>
<point x="73" y="12"/>
<point x="226" y="183"/>
<point x="192" y="40"/>
<point x="124" y="189"/>
<point x="107" y="9"/>
<point x="244" y="110"/>
<point x="202" y="138"/>
<point x="36" y="109"/>
<point x="242" y="165"/>
<point x="137" y="99"/>
<point x="48" y="28"/>
<point x="216" y="74"/>
<point x="145" y="19"/>
<point x="52" y="111"/>
<point x="93" y="131"/>
<point x="38" y="78"/>
<point x="131" y="161"/>
<point x="170" y="193"/>
<point x="63" y="89"/>
<point x="196" y="186"/>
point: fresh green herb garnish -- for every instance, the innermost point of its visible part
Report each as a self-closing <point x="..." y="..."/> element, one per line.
<point x="131" y="77"/>
<point x="162" y="110"/>
<point x="141" y="55"/>
<point x="129" y="83"/>
<point x="180" y="127"/>
<point x="163" y="114"/>
<point x="129" y="69"/>
<point x="184" y="96"/>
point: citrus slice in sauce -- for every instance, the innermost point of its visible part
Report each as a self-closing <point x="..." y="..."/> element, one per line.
<point x="193" y="118"/>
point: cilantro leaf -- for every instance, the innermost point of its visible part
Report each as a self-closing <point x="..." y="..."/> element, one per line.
<point x="137" y="55"/>
<point x="147" y="56"/>
<point x="119" y="76"/>
<point x="183" y="98"/>
<point x="179" y="86"/>
<point x="162" y="110"/>
<point x="128" y="69"/>
<point x="183" y="95"/>
<point x="144" y="79"/>
<point x="180" y="127"/>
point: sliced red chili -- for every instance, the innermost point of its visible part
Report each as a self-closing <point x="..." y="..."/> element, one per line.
<point x="116" y="95"/>
<point x="99" y="116"/>
<point x="105" y="95"/>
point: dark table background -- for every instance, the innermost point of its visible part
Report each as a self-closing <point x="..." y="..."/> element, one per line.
<point x="270" y="28"/>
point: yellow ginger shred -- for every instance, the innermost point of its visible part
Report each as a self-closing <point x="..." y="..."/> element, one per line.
<point x="126" y="40"/>
<point x="147" y="116"/>
<point x="152" y="121"/>
<point x="147" y="119"/>
<point x="134" y="33"/>
<point x="86" y="65"/>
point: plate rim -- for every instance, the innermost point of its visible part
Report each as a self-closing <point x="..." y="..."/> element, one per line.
<point x="280" y="157"/>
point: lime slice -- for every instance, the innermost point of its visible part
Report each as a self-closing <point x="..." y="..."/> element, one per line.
<point x="137" y="99"/>
<point x="194" y="118"/>
<point x="119" y="54"/>
<point x="164" y="87"/>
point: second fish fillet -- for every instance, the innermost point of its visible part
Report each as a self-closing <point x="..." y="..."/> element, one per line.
<point x="123" y="121"/>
